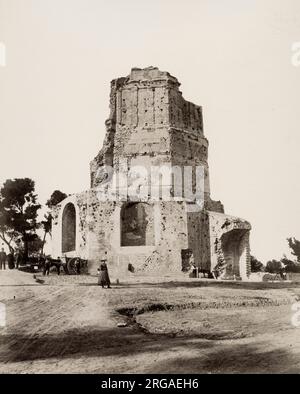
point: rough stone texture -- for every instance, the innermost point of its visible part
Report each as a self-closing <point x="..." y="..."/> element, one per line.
<point x="229" y="243"/>
<point x="150" y="124"/>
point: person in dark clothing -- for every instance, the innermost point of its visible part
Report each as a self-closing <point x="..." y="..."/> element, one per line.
<point x="18" y="259"/>
<point x="58" y="265"/>
<point x="47" y="265"/>
<point x="65" y="264"/>
<point x="282" y="273"/>
<point x="103" y="274"/>
<point x="193" y="270"/>
<point x="11" y="260"/>
<point x="41" y="261"/>
<point x="2" y="259"/>
<point x="77" y="266"/>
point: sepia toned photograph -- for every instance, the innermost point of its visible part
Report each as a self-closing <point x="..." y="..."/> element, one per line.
<point x="149" y="194"/>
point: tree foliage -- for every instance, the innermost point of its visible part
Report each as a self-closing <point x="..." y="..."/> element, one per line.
<point x="56" y="197"/>
<point x="290" y="265"/>
<point x="294" y="244"/>
<point x="47" y="227"/>
<point x="274" y="266"/>
<point x="256" y="265"/>
<point x="18" y="212"/>
<point x="35" y="246"/>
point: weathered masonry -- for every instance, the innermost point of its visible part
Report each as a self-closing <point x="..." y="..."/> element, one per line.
<point x="150" y="126"/>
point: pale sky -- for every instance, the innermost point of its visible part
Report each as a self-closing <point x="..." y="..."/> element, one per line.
<point x="232" y="57"/>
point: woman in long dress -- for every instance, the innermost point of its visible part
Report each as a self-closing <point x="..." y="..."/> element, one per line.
<point x="103" y="275"/>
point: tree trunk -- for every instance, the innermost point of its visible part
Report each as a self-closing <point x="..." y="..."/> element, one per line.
<point x="2" y="236"/>
<point x="25" y="254"/>
<point x="43" y="244"/>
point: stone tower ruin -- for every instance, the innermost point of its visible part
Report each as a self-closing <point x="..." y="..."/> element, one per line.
<point x="155" y="147"/>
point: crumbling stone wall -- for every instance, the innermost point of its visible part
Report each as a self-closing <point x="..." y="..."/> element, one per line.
<point x="151" y="124"/>
<point x="80" y="204"/>
<point x="198" y="239"/>
<point x="229" y="241"/>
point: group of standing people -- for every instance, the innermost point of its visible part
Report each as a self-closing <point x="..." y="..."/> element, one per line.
<point x="103" y="276"/>
<point x="46" y="265"/>
<point x="12" y="259"/>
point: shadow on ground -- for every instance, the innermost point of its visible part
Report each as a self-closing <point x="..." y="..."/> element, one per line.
<point x="88" y="343"/>
<point x="198" y="356"/>
<point x="234" y="358"/>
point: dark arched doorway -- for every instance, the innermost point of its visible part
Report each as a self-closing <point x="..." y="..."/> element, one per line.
<point x="137" y="224"/>
<point x="69" y="228"/>
<point x="233" y="248"/>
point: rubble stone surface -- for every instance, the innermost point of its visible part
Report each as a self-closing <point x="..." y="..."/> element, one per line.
<point x="151" y="125"/>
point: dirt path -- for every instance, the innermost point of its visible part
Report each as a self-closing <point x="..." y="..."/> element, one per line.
<point x="57" y="329"/>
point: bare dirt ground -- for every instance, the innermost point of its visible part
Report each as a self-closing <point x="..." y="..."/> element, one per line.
<point x="71" y="325"/>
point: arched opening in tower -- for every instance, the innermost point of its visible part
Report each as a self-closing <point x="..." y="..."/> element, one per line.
<point x="234" y="248"/>
<point x="69" y="228"/>
<point x="137" y="224"/>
